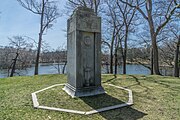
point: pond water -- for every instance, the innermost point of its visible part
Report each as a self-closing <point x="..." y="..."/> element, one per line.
<point x="51" y="69"/>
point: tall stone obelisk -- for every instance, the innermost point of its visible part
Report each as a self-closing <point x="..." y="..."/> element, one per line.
<point x="84" y="54"/>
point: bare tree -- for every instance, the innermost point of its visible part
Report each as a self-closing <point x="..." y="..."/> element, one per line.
<point x="5" y="56"/>
<point x="146" y="58"/>
<point x="17" y="43"/>
<point x="170" y="50"/>
<point x="174" y="29"/>
<point x="105" y="57"/>
<point x="112" y="29"/>
<point x="126" y="16"/>
<point x="60" y="57"/>
<point x="176" y="58"/>
<point x="157" y="14"/>
<point x="48" y="12"/>
<point x="119" y="17"/>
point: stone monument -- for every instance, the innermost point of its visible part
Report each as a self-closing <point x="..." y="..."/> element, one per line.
<point x="84" y="54"/>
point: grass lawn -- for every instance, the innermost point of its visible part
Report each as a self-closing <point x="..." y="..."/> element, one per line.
<point x="155" y="98"/>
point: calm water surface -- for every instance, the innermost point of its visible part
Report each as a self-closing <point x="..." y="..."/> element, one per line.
<point x="51" y="69"/>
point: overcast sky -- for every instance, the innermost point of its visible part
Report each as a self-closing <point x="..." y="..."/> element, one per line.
<point x="15" y="20"/>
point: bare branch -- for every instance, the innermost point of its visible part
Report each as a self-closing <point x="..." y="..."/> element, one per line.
<point x="168" y="17"/>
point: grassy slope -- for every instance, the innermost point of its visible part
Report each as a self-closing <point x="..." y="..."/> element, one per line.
<point x="155" y="98"/>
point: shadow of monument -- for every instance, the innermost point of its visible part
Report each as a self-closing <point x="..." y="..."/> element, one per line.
<point x="105" y="100"/>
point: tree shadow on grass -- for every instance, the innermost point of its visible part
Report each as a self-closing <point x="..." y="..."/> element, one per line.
<point x="167" y="84"/>
<point x="105" y="100"/>
<point x="114" y="77"/>
<point x="137" y="83"/>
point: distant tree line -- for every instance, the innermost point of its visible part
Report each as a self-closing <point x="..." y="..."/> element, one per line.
<point x="16" y="58"/>
<point x="21" y="54"/>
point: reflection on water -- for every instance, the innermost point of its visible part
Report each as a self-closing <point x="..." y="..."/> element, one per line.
<point x="51" y="69"/>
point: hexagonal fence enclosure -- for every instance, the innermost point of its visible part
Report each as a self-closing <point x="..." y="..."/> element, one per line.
<point x="54" y="98"/>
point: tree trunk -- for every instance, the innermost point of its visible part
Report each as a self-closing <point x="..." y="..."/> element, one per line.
<point x="151" y="60"/>
<point x="116" y="57"/>
<point x="155" y="56"/>
<point x="14" y="65"/>
<point x="176" y="60"/>
<point x="40" y="40"/>
<point x="154" y="47"/>
<point x="59" y="72"/>
<point x="153" y="38"/>
<point x="124" y="64"/>
<point x="109" y="57"/>
<point x="125" y="51"/>
<point x="107" y="68"/>
<point x="38" y="55"/>
<point x="111" y="53"/>
<point x="63" y="71"/>
<point x="111" y="61"/>
<point x="115" y="63"/>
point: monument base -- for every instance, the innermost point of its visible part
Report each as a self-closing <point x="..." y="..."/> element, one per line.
<point x="82" y="92"/>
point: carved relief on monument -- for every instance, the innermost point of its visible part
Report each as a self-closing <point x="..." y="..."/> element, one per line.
<point x="88" y="59"/>
<point x="87" y="76"/>
<point x="89" y="24"/>
<point x="87" y="40"/>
